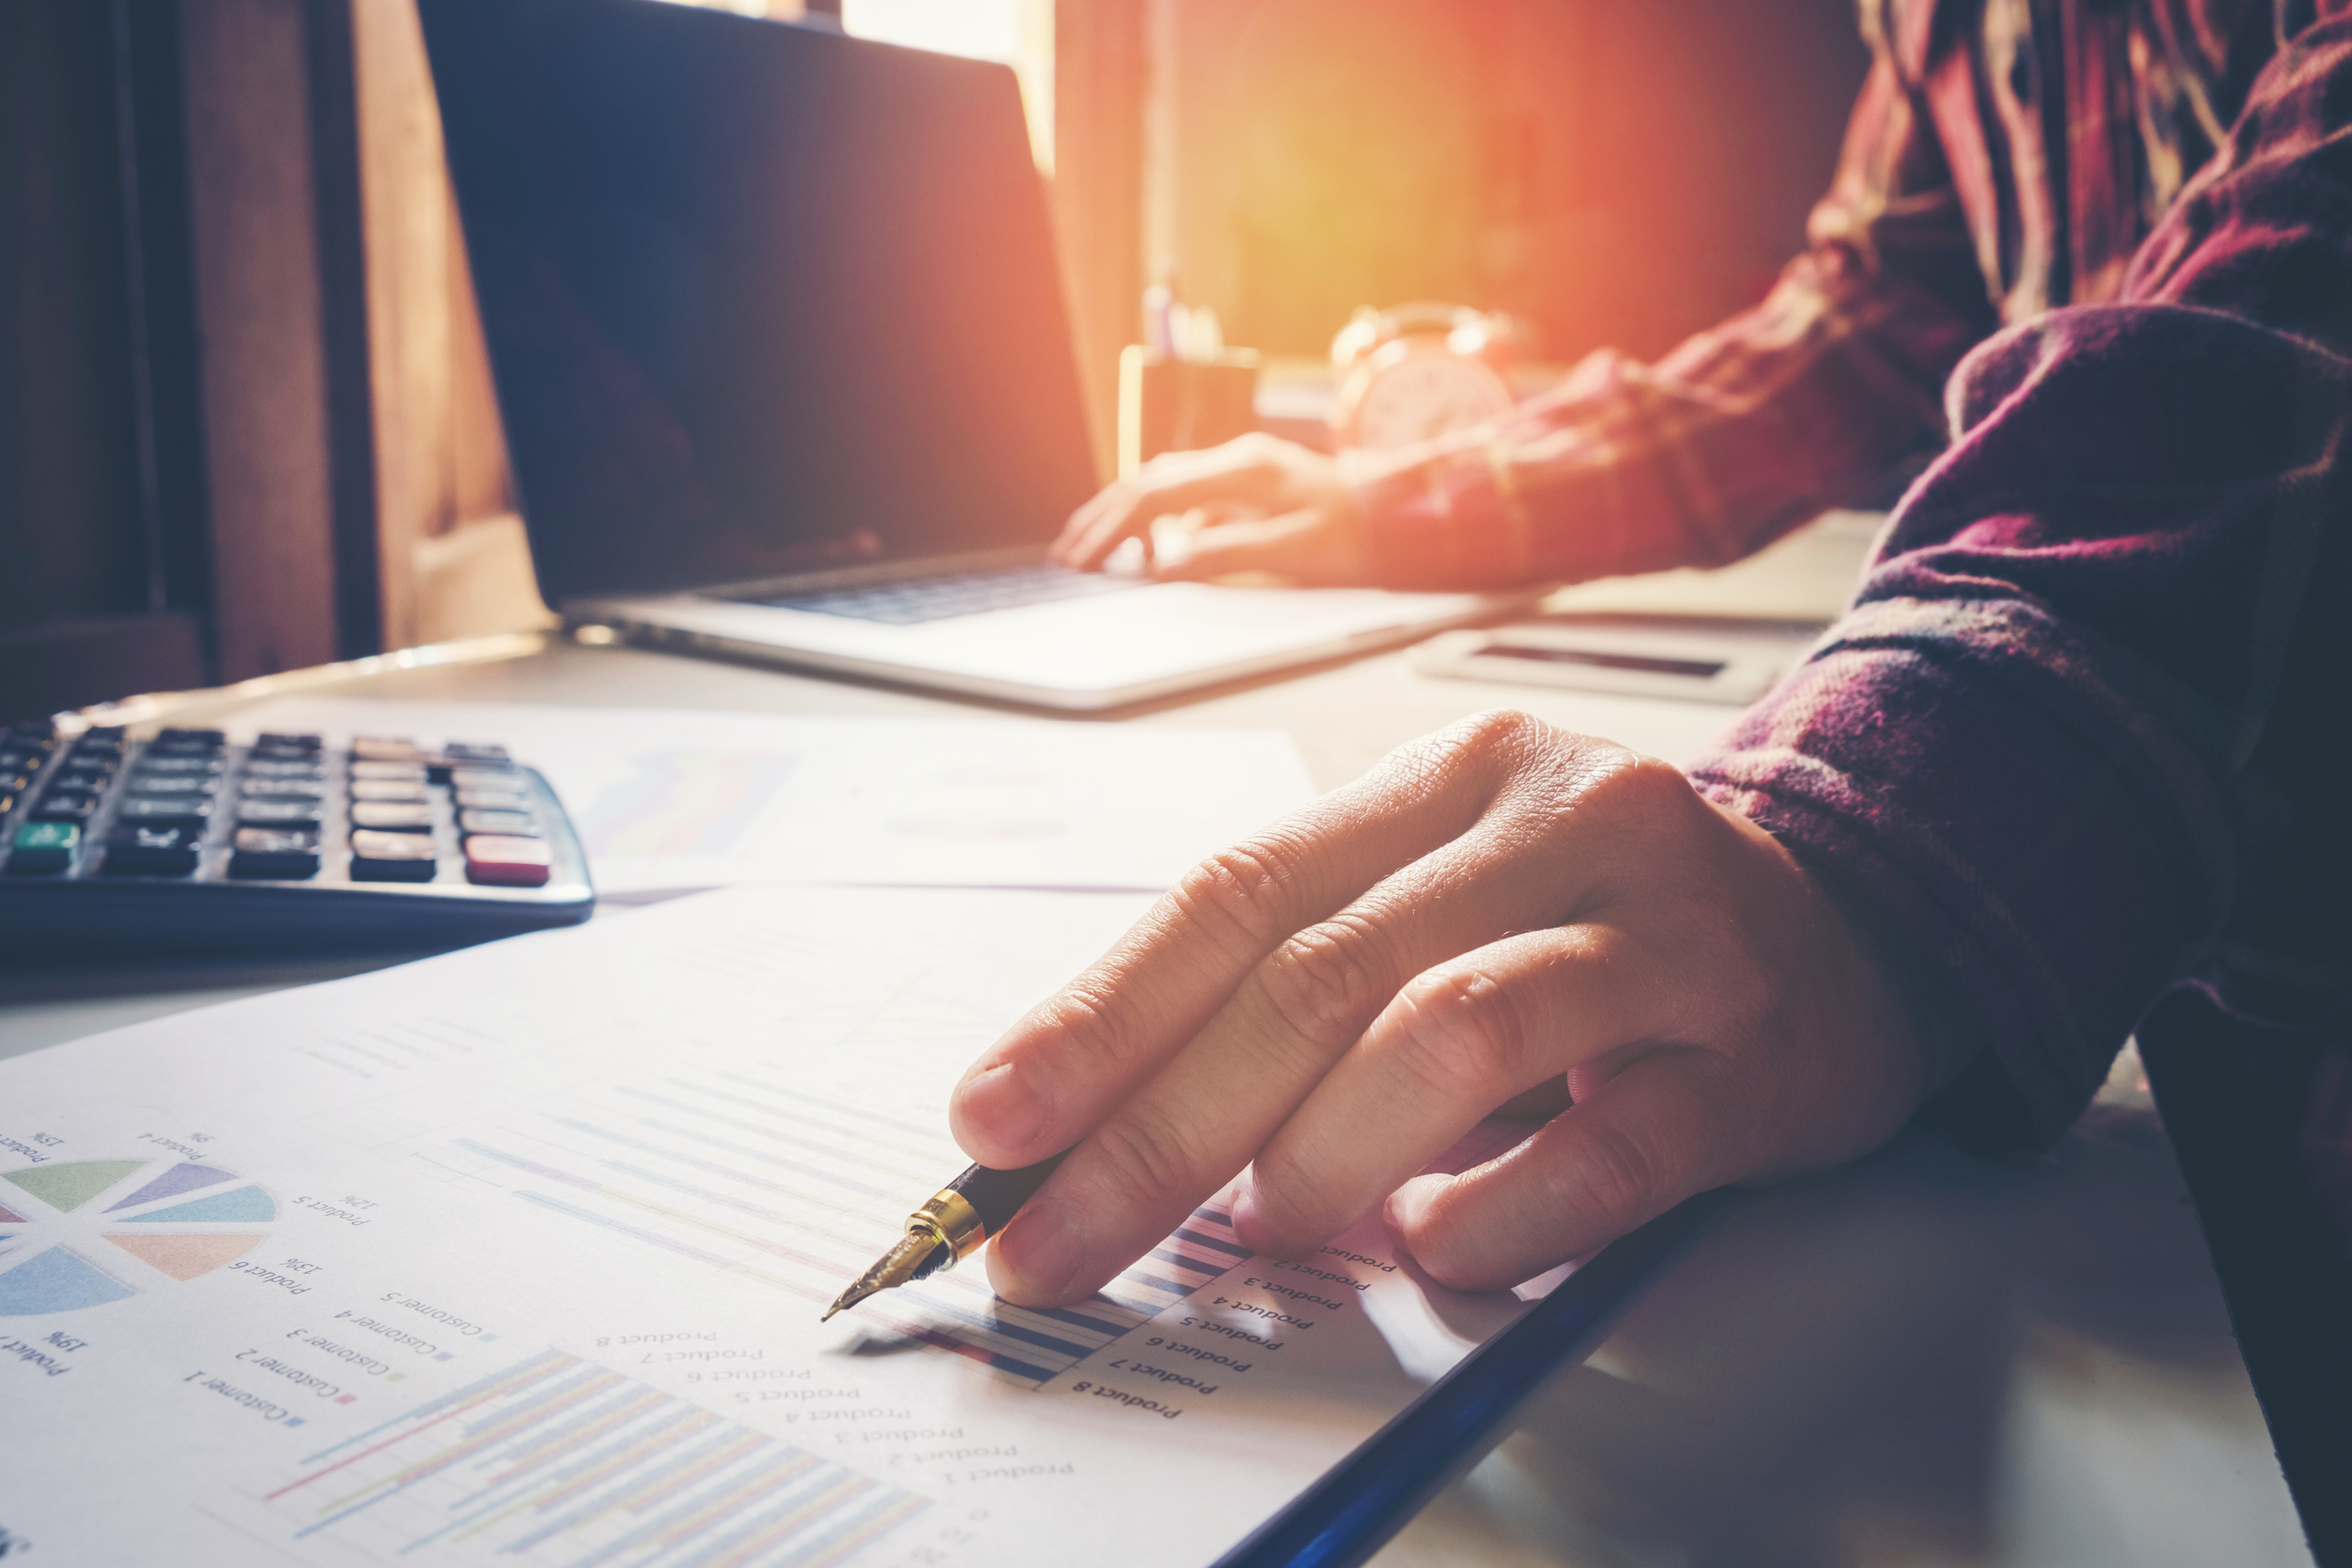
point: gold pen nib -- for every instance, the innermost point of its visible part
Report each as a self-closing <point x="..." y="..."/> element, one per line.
<point x="901" y="1264"/>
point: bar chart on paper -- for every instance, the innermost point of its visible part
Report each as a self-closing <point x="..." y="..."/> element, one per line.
<point x="747" y="1173"/>
<point x="557" y="1460"/>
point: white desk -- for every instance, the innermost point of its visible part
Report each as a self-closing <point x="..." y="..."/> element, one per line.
<point x="1922" y="1360"/>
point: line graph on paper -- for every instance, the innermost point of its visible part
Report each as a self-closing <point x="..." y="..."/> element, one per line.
<point x="555" y="1459"/>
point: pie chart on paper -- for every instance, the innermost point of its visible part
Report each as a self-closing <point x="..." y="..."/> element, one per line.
<point x="95" y="1231"/>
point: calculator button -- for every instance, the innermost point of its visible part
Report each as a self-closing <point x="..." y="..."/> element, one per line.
<point x="392" y="816"/>
<point x="282" y="789"/>
<point x="503" y="861"/>
<point x="14" y="779"/>
<point x="471" y="777"/>
<point x="475" y="752"/>
<point x="183" y="808"/>
<point x="159" y="762"/>
<point x="192" y="740"/>
<point x="396" y="772"/>
<point x="18" y="756"/>
<point x="384" y="749"/>
<point x="520" y="823"/>
<point x="491" y="800"/>
<point x="78" y="781"/>
<point x="275" y="853"/>
<point x="278" y="813"/>
<point x="159" y="787"/>
<point x="44" y="848"/>
<point x="164" y="849"/>
<point x="286" y="742"/>
<point x="392" y="858"/>
<point x="65" y="806"/>
<point x="283" y="768"/>
<point x="385" y="789"/>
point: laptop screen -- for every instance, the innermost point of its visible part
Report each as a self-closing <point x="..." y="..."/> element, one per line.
<point x="760" y="298"/>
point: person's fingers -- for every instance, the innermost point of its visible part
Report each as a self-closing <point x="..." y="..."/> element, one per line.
<point x="1463" y="1037"/>
<point x="1058" y="1072"/>
<point x="1670" y="1124"/>
<point x="1252" y="471"/>
<point x="1211" y="1105"/>
<point x="1303" y="545"/>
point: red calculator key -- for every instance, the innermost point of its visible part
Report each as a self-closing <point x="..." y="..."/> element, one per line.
<point x="501" y="860"/>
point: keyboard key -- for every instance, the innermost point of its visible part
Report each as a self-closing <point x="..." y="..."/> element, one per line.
<point x="278" y="813"/>
<point x="396" y="772"/>
<point x="286" y="743"/>
<point x="391" y="857"/>
<point x="502" y="862"/>
<point x="392" y="816"/>
<point x="277" y="854"/>
<point x="385" y="789"/>
<point x="384" y="749"/>
<point x="484" y="778"/>
<point x="20" y="757"/>
<point x="282" y="789"/>
<point x="65" y="806"/>
<point x="491" y="800"/>
<point x="474" y="754"/>
<point x="184" y="808"/>
<point x="12" y="780"/>
<point x="284" y="768"/>
<point x="163" y="849"/>
<point x="192" y="740"/>
<point x="520" y="823"/>
<point x="44" y="848"/>
<point x="965" y="593"/>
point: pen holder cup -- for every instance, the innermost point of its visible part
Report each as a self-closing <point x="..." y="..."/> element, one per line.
<point x="1180" y="406"/>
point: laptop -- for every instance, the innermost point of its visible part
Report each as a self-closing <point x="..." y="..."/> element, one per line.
<point x="779" y="339"/>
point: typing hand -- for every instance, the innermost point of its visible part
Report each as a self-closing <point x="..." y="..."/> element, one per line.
<point x="1257" y="503"/>
<point x="1495" y="909"/>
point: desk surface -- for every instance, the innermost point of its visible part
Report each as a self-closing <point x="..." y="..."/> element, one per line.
<point x="1923" y="1358"/>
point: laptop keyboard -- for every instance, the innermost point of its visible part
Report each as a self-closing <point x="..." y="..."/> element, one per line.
<point x="943" y="598"/>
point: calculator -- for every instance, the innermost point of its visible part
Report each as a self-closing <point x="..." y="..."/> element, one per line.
<point x="116" y="843"/>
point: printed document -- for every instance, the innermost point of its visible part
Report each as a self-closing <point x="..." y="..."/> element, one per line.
<point x="518" y="1255"/>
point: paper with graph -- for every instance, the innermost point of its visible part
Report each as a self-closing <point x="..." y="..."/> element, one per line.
<point x="678" y="798"/>
<point x="518" y="1255"/>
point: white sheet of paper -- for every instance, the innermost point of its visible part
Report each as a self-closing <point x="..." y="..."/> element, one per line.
<point x="518" y="1255"/>
<point x="692" y="798"/>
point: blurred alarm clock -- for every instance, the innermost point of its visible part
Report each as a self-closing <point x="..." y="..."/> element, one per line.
<point x="1416" y="371"/>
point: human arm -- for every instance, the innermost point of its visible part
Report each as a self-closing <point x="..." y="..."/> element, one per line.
<point x="2083" y="738"/>
<point x="1742" y="432"/>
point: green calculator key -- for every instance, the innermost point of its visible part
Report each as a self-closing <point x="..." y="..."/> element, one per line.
<point x="45" y="848"/>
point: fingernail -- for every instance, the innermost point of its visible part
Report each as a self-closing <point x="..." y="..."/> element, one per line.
<point x="1039" y="1253"/>
<point x="1246" y="1215"/>
<point x="999" y="1107"/>
<point x="1407" y="1207"/>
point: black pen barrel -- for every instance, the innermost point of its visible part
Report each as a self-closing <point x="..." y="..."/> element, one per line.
<point x="997" y="1196"/>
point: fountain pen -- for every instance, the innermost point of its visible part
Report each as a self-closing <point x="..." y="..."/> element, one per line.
<point x="950" y="1227"/>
